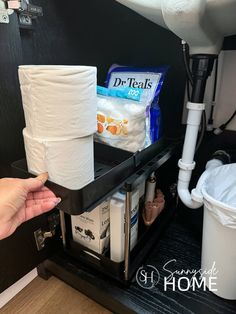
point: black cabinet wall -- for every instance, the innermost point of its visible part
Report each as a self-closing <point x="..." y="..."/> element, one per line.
<point x="11" y="114"/>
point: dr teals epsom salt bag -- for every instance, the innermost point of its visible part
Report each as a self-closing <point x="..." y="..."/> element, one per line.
<point x="150" y="80"/>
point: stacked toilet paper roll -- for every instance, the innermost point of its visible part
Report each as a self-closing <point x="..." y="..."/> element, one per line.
<point x="69" y="162"/>
<point x="59" y="101"/>
<point x="60" y="108"/>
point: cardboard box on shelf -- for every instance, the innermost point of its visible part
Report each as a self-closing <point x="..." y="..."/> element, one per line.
<point x="92" y="229"/>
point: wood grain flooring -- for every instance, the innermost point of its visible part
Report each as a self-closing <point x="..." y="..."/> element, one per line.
<point x="49" y="297"/>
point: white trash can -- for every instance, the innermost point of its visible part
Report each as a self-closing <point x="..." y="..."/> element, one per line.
<point x="219" y="231"/>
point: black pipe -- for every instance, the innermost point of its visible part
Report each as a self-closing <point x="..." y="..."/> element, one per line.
<point x="201" y="70"/>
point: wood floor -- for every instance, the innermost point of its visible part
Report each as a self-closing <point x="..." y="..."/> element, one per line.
<point x="49" y="297"/>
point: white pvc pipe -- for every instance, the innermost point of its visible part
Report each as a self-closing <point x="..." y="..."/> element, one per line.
<point x="187" y="164"/>
<point x="190" y="144"/>
<point x="183" y="189"/>
<point x="193" y="122"/>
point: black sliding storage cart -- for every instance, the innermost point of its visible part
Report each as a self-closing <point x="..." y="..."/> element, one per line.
<point x="86" y="270"/>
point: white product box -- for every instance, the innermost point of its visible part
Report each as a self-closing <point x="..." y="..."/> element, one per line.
<point x="117" y="212"/>
<point x="92" y="229"/>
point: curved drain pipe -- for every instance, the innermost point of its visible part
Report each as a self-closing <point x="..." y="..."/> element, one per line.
<point x="186" y="163"/>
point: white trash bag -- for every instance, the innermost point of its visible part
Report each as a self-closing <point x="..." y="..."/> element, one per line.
<point x="219" y="231"/>
<point x="219" y="193"/>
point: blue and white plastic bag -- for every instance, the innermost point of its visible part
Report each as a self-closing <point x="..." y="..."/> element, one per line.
<point x="149" y="80"/>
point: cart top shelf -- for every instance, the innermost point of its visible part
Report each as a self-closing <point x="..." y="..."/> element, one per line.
<point x="114" y="168"/>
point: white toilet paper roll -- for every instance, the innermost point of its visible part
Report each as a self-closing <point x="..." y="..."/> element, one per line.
<point x="59" y="101"/>
<point x="69" y="163"/>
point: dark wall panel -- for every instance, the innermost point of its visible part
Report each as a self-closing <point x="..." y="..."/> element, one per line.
<point x="230" y="43"/>
<point x="11" y="114"/>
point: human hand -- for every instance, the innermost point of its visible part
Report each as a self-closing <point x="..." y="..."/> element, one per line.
<point x="23" y="199"/>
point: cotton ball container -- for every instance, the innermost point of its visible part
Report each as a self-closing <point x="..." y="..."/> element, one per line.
<point x="121" y="123"/>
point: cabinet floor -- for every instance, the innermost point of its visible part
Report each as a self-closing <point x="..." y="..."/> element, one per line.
<point x="51" y="296"/>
